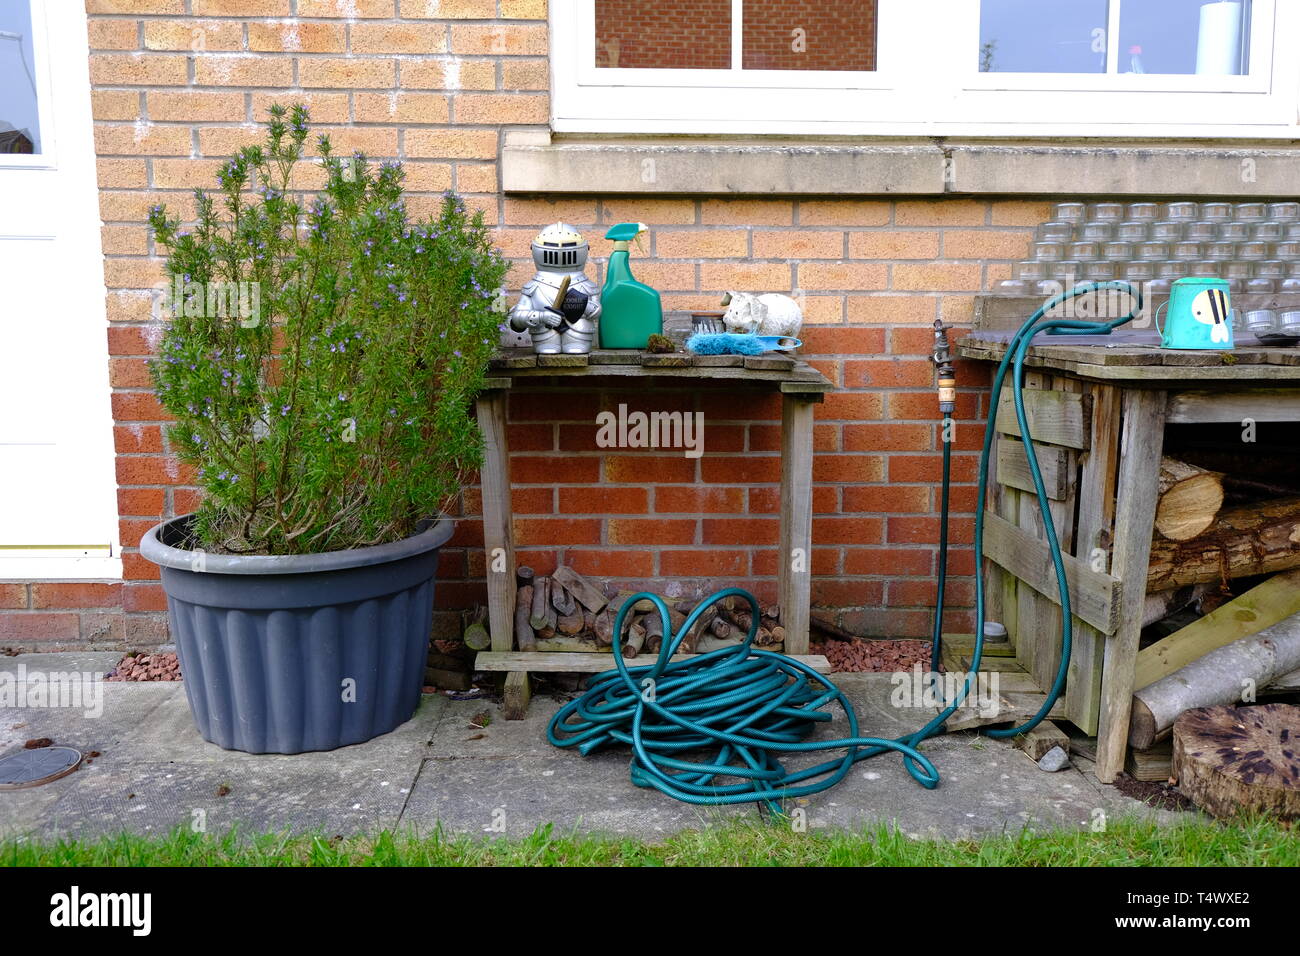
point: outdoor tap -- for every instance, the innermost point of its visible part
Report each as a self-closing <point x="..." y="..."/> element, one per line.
<point x="943" y="363"/>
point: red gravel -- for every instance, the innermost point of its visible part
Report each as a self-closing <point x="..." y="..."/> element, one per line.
<point x="878" y="656"/>
<point x="146" y="667"/>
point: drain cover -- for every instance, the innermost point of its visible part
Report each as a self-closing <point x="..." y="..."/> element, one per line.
<point x="31" y="768"/>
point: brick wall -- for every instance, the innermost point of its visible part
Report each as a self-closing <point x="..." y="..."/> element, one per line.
<point x="179" y="84"/>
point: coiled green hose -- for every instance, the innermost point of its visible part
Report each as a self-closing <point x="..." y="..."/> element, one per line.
<point x="710" y="730"/>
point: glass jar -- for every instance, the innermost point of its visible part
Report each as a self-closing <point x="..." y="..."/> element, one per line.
<point x="1086" y="251"/>
<point x="1144" y="211"/>
<point x="1182" y="211"/>
<point x="1271" y="269"/>
<point x="1107" y="211"/>
<point x="1288" y="323"/>
<point x="1117" y="251"/>
<point x="1206" y="268"/>
<point x="1011" y="287"/>
<point x="1132" y="231"/>
<point x="1201" y="231"/>
<point x="1236" y="286"/>
<point x="1284" y="211"/>
<point x="1253" y="250"/>
<point x="1288" y="250"/>
<point x="1249" y="211"/>
<point x="1159" y="286"/>
<point x="1258" y="286"/>
<point x="1055" y="231"/>
<point x="1031" y="271"/>
<point x="1047" y="251"/>
<point x="1099" y="231"/>
<point x="1153" y="250"/>
<point x="1222" y="251"/>
<point x="1260" y="321"/>
<point x="1216" y="211"/>
<point x="1267" y="231"/>
<point x="1167" y="230"/>
<point x="1170" y="269"/>
<point x="1100" y="271"/>
<point x="1289" y="285"/>
<point x="1238" y="270"/>
<point x="1140" y="271"/>
<point x="1067" y="270"/>
<point x="1069" y="212"/>
<point x="1187" y="251"/>
<point x="1234" y="231"/>
<point x="1292" y="231"/>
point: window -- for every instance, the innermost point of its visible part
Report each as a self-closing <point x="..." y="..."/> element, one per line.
<point x="1141" y="68"/>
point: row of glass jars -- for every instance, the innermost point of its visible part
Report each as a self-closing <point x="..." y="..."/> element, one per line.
<point x="1170" y="230"/>
<point x="1183" y="211"/>
<point x="1033" y="278"/>
<point x="1089" y="250"/>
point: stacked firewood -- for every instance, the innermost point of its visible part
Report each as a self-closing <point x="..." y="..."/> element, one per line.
<point x="564" y="611"/>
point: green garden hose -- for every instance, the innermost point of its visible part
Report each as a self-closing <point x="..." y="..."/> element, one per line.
<point x="744" y="708"/>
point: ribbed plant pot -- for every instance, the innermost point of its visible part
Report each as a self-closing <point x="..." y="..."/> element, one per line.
<point x="287" y="654"/>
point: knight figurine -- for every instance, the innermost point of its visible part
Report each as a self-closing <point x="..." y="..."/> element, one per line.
<point x="559" y="306"/>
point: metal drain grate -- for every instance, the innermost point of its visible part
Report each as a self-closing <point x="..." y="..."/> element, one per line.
<point x="31" y="768"/>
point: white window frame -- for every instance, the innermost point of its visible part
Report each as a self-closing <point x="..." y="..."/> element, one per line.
<point x="39" y="65"/>
<point x="927" y="82"/>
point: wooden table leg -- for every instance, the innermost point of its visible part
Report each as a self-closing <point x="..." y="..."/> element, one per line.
<point x="795" y="581"/>
<point x="1141" y="445"/>
<point x="498" y="539"/>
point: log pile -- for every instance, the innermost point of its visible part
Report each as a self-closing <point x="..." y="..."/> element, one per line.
<point x="564" y="611"/>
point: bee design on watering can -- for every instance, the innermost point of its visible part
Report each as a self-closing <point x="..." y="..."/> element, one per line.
<point x="1199" y="315"/>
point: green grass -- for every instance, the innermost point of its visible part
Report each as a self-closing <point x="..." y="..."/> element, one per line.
<point x="1124" y="843"/>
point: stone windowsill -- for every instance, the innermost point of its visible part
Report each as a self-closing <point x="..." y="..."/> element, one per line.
<point x="534" y="163"/>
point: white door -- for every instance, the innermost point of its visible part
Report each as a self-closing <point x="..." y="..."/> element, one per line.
<point x="57" y="484"/>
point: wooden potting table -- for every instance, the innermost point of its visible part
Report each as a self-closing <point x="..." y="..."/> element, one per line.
<point x="801" y="387"/>
<point x="1097" y="410"/>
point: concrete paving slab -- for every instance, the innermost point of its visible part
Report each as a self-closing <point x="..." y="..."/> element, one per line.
<point x="95" y="662"/>
<point x="155" y="798"/>
<point x="513" y="795"/>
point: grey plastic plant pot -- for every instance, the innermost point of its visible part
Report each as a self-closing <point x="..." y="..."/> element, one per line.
<point x="288" y="654"/>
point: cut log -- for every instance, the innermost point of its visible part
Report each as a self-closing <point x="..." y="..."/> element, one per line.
<point x="1260" y="607"/>
<point x="1232" y="760"/>
<point x="604" y="628"/>
<point x="525" y="637"/>
<point x="514" y="701"/>
<point x="570" y="624"/>
<point x="447" y="680"/>
<point x="476" y="632"/>
<point x="1190" y="497"/>
<point x="633" y="638"/>
<point x="1220" y="677"/>
<point x="1161" y="604"/>
<point x="587" y="594"/>
<point x="1151" y="766"/>
<point x="524" y="575"/>
<point x="542" y="617"/>
<point x="1037" y="742"/>
<point x="720" y="628"/>
<point x="1243" y="541"/>
<point x="562" y="600"/>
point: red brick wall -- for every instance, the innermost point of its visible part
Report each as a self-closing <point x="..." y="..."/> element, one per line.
<point x="676" y="34"/>
<point x="809" y="35"/>
<point x="179" y="84"/>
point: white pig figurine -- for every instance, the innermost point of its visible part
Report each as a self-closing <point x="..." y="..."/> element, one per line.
<point x="769" y="314"/>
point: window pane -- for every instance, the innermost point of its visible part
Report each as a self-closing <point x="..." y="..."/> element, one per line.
<point x="809" y="35"/>
<point x="1184" y="36"/>
<point x="635" y="34"/>
<point x="1043" y="36"/>
<point x="19" y="127"/>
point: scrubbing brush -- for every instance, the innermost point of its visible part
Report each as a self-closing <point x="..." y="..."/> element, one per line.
<point x="737" y="343"/>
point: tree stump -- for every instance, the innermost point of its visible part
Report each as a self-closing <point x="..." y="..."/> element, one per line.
<point x="1233" y="759"/>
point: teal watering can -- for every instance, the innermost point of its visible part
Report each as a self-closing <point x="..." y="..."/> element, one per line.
<point x="1199" y="315"/>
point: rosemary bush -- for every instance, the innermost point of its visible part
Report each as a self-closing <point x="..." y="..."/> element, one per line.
<point x="321" y="356"/>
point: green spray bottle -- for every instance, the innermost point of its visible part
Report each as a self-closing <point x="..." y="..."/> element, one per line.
<point x="630" y="311"/>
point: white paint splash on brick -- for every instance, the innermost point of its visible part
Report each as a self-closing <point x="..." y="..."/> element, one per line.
<point x="347" y="8"/>
<point x="289" y="37"/>
<point x="142" y="129"/>
<point x="451" y="73"/>
<point x="432" y="8"/>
